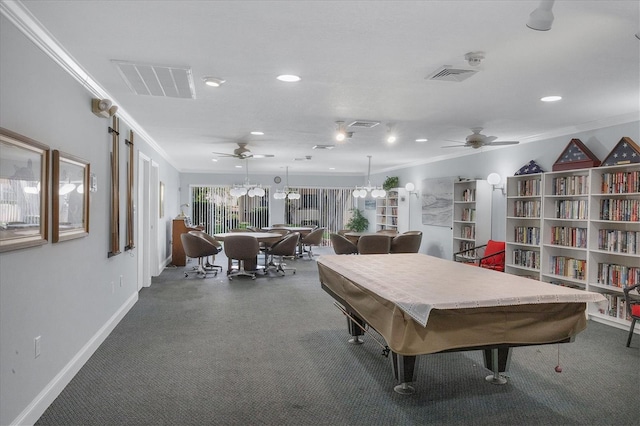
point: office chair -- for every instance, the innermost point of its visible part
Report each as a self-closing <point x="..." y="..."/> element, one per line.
<point x="212" y="240"/>
<point x="341" y="245"/>
<point x="286" y="247"/>
<point x="198" y="248"/>
<point x="378" y="243"/>
<point x="406" y="243"/>
<point x="244" y="249"/>
<point x="313" y="238"/>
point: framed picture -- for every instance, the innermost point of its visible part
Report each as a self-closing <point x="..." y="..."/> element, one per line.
<point x="24" y="189"/>
<point x="70" y="204"/>
<point x="437" y="201"/>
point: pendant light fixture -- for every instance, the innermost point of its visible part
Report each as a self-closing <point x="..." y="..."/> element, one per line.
<point x="247" y="188"/>
<point x="362" y="191"/>
<point x="281" y="194"/>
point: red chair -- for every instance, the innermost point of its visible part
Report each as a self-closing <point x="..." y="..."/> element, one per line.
<point x="489" y="256"/>
<point x="633" y="308"/>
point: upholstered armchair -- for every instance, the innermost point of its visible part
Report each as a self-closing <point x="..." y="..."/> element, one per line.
<point x="378" y="243"/>
<point x="341" y="245"/>
<point x="633" y="308"/>
<point x="489" y="256"/>
<point x="406" y="243"/>
<point x="286" y="247"/>
<point x="198" y="248"/>
<point x="313" y="238"/>
<point x="244" y="250"/>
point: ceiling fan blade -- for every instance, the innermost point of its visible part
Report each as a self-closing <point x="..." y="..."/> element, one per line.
<point x="488" y="139"/>
<point x="455" y="146"/>
<point x="262" y="156"/>
<point x="223" y="154"/>
<point x="503" y="143"/>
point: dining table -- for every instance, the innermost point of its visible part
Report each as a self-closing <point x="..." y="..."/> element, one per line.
<point x="355" y="236"/>
<point x="302" y="230"/>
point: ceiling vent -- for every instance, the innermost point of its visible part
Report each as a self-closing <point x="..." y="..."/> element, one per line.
<point x="447" y="73"/>
<point x="158" y="80"/>
<point x="305" y="158"/>
<point x="323" y="147"/>
<point x="364" y="124"/>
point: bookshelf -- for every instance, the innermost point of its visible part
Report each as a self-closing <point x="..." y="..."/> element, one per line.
<point x="387" y="211"/>
<point x="614" y="237"/>
<point x="524" y="218"/>
<point x="565" y="203"/>
<point x="471" y="214"/>
<point x="582" y="227"/>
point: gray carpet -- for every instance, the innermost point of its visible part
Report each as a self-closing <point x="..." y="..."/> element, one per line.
<point x="274" y="351"/>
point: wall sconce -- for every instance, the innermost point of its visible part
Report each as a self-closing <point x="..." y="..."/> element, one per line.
<point x="410" y="187"/>
<point x="494" y="180"/>
<point x="103" y="108"/>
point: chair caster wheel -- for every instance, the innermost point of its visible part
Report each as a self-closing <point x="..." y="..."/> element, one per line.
<point x="186" y="275"/>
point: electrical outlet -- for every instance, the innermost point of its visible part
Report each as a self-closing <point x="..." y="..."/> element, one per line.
<point x="36" y="346"/>
<point x="121" y="280"/>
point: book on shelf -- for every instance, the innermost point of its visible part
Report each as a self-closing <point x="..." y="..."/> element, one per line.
<point x="569" y="236"/>
<point x="620" y="182"/>
<point x="568" y="267"/>
<point x="528" y="188"/>
<point x="527" y="209"/>
<point x="617" y="275"/>
<point x="618" y="241"/>
<point x="570" y="185"/>
<point x="571" y="209"/>
<point x="626" y="210"/>
<point x="526" y="258"/>
<point x="526" y="235"/>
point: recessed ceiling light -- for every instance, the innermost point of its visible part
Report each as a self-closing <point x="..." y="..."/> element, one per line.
<point x="288" y="78"/>
<point x="215" y="160"/>
<point x="213" y="81"/>
<point x="332" y="168"/>
<point x="553" y="98"/>
<point x="422" y="140"/>
<point x="256" y="133"/>
<point x="238" y="167"/>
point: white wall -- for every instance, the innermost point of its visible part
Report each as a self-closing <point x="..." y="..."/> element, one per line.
<point x="68" y="293"/>
<point x="506" y="161"/>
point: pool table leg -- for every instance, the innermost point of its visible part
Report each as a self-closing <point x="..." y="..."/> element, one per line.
<point x="356" y="328"/>
<point x="497" y="360"/>
<point x="403" y="371"/>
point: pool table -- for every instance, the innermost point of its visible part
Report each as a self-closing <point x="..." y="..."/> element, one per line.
<point x="422" y="304"/>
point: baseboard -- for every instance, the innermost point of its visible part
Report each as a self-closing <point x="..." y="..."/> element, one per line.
<point x="38" y="406"/>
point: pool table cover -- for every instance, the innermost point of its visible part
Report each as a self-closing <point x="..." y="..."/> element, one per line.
<point x="423" y="304"/>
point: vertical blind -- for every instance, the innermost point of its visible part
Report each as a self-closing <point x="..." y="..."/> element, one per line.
<point x="217" y="211"/>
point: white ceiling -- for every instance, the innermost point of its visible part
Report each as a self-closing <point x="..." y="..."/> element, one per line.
<point x="359" y="60"/>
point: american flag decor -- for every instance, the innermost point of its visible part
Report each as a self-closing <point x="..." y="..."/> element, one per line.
<point x="625" y="152"/>
<point x="530" y="168"/>
<point x="575" y="156"/>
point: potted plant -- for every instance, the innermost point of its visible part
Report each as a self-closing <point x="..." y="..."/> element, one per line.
<point x="358" y="222"/>
<point x="390" y="182"/>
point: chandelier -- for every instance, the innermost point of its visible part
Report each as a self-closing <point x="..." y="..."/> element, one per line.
<point x="247" y="188"/>
<point x="362" y="191"/>
<point x="281" y="194"/>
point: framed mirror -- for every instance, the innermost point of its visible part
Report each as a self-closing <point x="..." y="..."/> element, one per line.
<point x="24" y="189"/>
<point x="70" y="204"/>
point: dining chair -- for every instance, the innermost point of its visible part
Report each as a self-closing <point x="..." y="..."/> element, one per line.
<point x="374" y="244"/>
<point x="312" y="239"/>
<point x="215" y="243"/>
<point x="406" y="243"/>
<point x="342" y="245"/>
<point x="244" y="250"/>
<point x="286" y="247"/>
<point x="198" y="248"/>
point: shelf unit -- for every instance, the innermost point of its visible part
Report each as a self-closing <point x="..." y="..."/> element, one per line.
<point x="614" y="238"/>
<point x="565" y="202"/>
<point x="387" y="211"/>
<point x="524" y="219"/>
<point x="471" y="214"/>
<point x="583" y="227"/>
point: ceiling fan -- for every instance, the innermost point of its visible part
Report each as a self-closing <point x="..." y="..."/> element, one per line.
<point x="478" y="140"/>
<point x="243" y="152"/>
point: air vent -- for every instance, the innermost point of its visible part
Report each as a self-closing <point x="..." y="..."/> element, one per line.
<point x="305" y="158"/>
<point x="158" y="80"/>
<point x="446" y="73"/>
<point x="323" y="147"/>
<point x="364" y="124"/>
